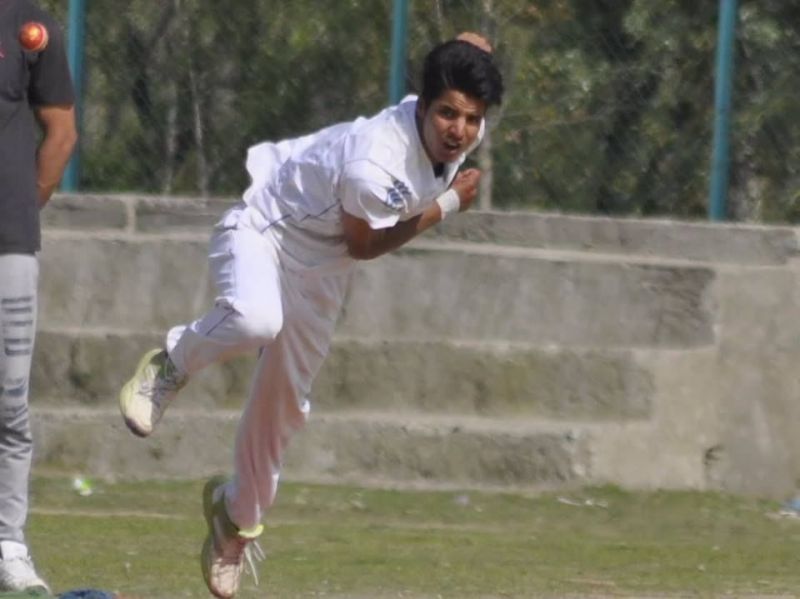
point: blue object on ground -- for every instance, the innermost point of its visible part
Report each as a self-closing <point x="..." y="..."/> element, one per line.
<point x="86" y="594"/>
<point x="793" y="504"/>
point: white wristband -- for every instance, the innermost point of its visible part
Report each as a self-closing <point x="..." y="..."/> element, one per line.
<point x="449" y="202"/>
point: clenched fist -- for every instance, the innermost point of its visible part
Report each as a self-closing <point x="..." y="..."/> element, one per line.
<point x="466" y="185"/>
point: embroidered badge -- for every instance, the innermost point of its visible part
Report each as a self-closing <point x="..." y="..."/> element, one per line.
<point x="397" y="195"/>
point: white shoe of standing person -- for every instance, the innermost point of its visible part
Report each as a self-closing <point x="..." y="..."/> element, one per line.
<point x="16" y="569"/>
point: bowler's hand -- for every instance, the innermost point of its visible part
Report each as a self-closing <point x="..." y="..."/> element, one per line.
<point x="476" y="39"/>
<point x="466" y="186"/>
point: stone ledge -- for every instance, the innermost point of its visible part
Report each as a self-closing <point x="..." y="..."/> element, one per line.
<point x="87" y="213"/>
<point x="417" y="294"/>
<point x="133" y="213"/>
<point x="707" y="242"/>
<point x="726" y="243"/>
<point x="349" y="448"/>
<point x="396" y="377"/>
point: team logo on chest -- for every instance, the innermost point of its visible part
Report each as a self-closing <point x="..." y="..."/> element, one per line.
<point x="397" y="195"/>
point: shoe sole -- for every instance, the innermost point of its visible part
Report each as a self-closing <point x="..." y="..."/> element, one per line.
<point x="127" y="393"/>
<point x="34" y="592"/>
<point x="208" y="513"/>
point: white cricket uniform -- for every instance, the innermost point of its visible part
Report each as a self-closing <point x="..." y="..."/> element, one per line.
<point x="280" y="264"/>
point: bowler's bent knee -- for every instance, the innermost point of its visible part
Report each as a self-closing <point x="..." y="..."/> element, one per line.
<point x="257" y="326"/>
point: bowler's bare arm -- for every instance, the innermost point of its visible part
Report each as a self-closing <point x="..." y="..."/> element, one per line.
<point x="365" y="243"/>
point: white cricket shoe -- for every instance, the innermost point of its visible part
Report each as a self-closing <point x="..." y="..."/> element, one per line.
<point x="16" y="569"/>
<point x="144" y="399"/>
<point x="227" y="548"/>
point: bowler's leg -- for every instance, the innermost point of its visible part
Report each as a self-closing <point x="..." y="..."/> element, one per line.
<point x="278" y="406"/>
<point x="279" y="398"/>
<point x="247" y="314"/>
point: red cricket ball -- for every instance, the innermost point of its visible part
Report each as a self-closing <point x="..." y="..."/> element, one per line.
<point x="33" y="36"/>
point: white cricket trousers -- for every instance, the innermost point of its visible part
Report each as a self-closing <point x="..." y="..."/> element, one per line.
<point x="19" y="275"/>
<point x="290" y="318"/>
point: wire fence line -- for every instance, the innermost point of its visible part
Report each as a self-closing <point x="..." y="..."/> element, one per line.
<point x="609" y="105"/>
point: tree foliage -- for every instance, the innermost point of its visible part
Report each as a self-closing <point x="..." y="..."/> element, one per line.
<point x="609" y="106"/>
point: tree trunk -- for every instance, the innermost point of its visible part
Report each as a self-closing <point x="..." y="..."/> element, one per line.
<point x="487" y="170"/>
<point x="171" y="141"/>
<point x="485" y="160"/>
<point x="199" y="134"/>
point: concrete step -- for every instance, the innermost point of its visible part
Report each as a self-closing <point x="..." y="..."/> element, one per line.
<point x="708" y="242"/>
<point x="479" y="293"/>
<point x="133" y="213"/>
<point x="83" y="368"/>
<point x="424" y="293"/>
<point x="668" y="449"/>
<point x="353" y="448"/>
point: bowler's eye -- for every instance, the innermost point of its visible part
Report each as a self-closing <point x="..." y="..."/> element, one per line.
<point x="474" y="119"/>
<point x="447" y="112"/>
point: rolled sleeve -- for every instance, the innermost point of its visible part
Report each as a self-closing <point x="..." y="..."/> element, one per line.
<point x="372" y="194"/>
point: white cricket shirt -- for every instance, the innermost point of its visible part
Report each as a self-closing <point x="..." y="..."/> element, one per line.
<point x="373" y="168"/>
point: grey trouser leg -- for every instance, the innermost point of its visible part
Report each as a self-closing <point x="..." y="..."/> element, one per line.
<point x="18" y="281"/>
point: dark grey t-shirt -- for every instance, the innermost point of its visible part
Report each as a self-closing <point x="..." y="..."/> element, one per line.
<point x="27" y="80"/>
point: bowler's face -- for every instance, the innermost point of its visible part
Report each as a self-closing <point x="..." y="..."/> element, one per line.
<point x="450" y="125"/>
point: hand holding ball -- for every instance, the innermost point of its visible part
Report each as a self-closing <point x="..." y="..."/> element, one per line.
<point x="33" y="36"/>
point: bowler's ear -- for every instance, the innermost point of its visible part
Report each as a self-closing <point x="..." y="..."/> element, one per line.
<point x="421" y="107"/>
<point x="476" y="39"/>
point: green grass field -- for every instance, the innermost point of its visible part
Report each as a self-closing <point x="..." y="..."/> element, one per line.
<point x="143" y="539"/>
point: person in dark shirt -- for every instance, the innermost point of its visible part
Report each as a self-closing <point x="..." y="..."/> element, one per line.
<point x="36" y="96"/>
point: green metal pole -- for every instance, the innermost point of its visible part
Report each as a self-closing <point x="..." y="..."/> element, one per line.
<point x="76" y="37"/>
<point x="720" y="164"/>
<point x="397" y="69"/>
